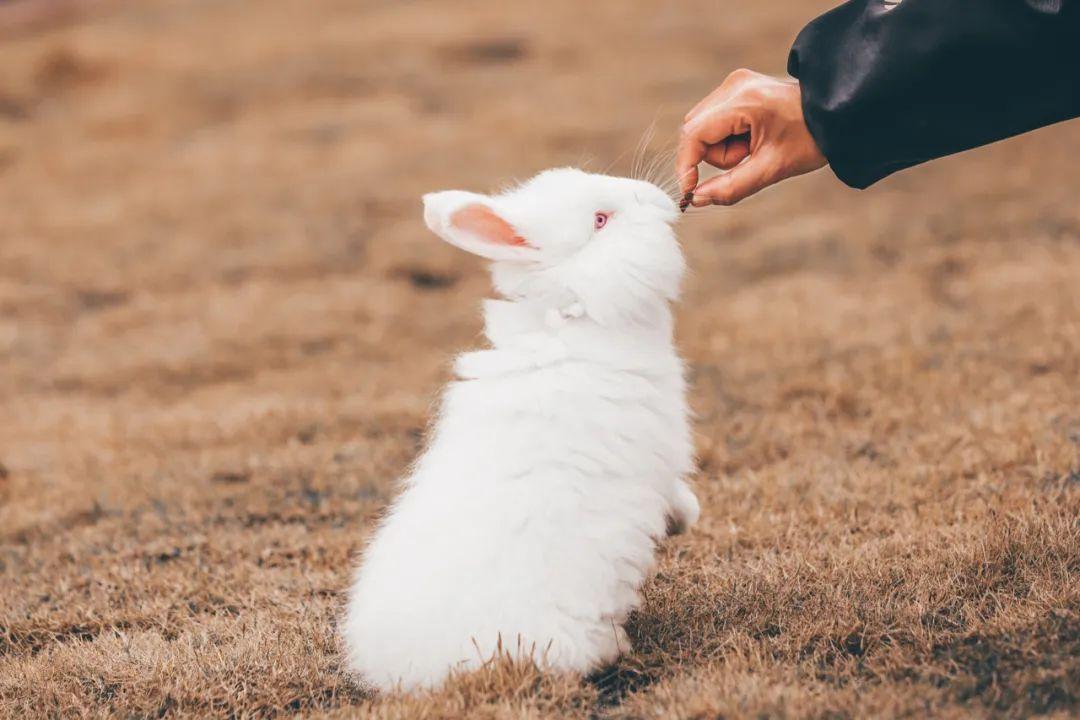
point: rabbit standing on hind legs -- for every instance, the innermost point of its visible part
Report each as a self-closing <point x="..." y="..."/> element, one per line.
<point x="559" y="456"/>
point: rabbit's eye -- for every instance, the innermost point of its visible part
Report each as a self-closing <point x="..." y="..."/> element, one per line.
<point x="601" y="219"/>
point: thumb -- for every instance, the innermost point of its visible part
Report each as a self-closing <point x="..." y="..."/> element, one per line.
<point x="740" y="182"/>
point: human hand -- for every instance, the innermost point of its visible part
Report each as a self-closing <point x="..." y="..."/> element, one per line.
<point x="752" y="127"/>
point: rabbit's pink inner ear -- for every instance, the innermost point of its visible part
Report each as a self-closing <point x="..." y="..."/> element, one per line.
<point x="482" y="222"/>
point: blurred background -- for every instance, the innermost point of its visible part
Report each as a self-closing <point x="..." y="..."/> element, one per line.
<point x="223" y="327"/>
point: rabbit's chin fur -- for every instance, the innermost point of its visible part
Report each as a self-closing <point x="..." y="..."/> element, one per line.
<point x="529" y="524"/>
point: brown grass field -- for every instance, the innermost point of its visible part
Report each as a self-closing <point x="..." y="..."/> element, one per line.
<point x="223" y="326"/>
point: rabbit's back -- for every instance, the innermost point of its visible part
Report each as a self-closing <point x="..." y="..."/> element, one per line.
<point x="528" y="523"/>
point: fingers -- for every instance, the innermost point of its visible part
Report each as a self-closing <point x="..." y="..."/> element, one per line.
<point x="691" y="151"/>
<point x="688" y="180"/>
<point x="736" y="184"/>
<point x="725" y="90"/>
<point x="713" y="98"/>
<point x="729" y="153"/>
<point x="713" y="126"/>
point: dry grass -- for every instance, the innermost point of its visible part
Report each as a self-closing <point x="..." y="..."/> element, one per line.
<point x="222" y="326"/>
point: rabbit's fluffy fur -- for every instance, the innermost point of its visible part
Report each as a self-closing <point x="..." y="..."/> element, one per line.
<point x="559" y="456"/>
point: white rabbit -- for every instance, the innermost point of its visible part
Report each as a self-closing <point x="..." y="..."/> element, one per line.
<point x="559" y="456"/>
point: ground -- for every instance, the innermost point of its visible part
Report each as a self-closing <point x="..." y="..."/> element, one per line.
<point x="223" y="326"/>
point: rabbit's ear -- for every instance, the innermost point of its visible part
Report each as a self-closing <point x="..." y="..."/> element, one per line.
<point x="468" y="221"/>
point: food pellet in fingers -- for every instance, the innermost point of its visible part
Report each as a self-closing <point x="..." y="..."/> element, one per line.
<point x="686" y="200"/>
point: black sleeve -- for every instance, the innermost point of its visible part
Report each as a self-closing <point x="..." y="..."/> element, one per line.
<point x="885" y="88"/>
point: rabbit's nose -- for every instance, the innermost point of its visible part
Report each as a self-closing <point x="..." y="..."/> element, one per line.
<point x="657" y="200"/>
<point x="649" y="194"/>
